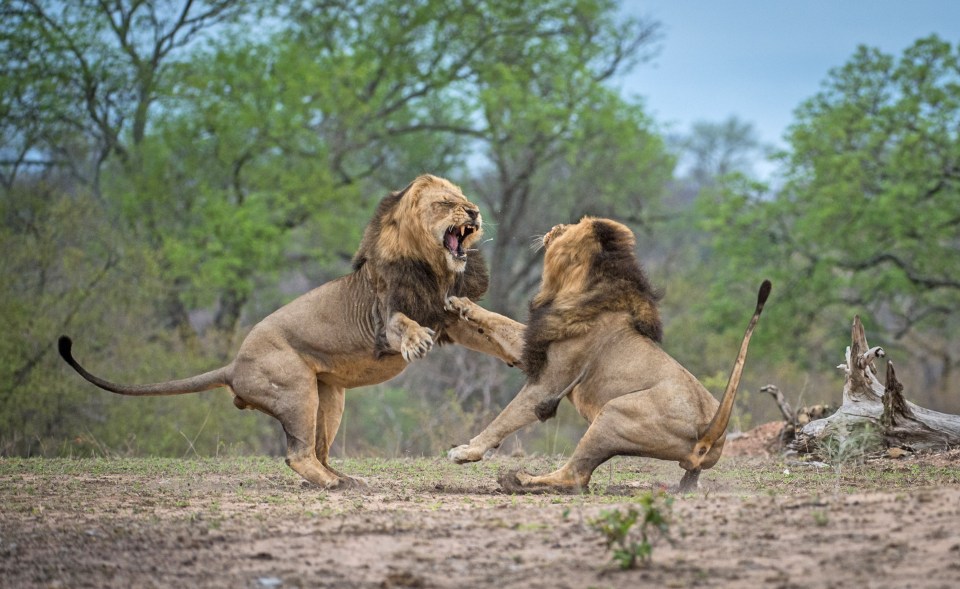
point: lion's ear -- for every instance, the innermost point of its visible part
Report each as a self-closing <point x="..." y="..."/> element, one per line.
<point x="474" y="281"/>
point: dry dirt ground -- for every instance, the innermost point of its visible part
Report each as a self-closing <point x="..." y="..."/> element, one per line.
<point x="758" y="521"/>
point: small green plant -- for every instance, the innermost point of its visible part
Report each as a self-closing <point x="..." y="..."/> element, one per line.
<point x="843" y="444"/>
<point x="654" y="512"/>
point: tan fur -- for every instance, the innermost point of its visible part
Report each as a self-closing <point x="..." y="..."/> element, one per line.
<point x="604" y="358"/>
<point x="566" y="279"/>
<point x="360" y="329"/>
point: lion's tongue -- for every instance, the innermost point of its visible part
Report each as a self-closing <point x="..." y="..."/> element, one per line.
<point x="451" y="241"/>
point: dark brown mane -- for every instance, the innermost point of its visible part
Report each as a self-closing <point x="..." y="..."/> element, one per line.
<point x="616" y="283"/>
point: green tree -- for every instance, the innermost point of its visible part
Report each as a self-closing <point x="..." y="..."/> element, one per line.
<point x="867" y="218"/>
<point x="558" y="141"/>
<point x="80" y="78"/>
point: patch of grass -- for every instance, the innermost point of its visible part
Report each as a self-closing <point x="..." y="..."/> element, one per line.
<point x="255" y="477"/>
<point x="842" y="445"/>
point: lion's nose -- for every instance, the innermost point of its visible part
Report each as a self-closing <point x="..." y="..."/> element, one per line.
<point x="473" y="214"/>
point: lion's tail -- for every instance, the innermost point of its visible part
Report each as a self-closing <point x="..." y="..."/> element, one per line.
<point x="718" y="424"/>
<point x="195" y="384"/>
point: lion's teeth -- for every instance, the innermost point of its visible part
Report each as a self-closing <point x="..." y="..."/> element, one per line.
<point x="463" y="229"/>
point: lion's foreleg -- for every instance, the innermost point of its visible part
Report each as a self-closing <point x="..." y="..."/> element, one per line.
<point x="520" y="412"/>
<point x="485" y="331"/>
<point x="408" y="337"/>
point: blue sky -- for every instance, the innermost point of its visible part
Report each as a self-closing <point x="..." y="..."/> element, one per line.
<point x="758" y="59"/>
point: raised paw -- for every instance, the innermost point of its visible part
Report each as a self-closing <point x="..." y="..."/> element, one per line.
<point x="459" y="305"/>
<point x="416" y="342"/>
<point x="464" y="453"/>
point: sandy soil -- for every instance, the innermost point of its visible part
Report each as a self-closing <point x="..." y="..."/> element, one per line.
<point x="757" y="522"/>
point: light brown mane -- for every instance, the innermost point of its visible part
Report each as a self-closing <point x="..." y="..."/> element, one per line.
<point x="590" y="270"/>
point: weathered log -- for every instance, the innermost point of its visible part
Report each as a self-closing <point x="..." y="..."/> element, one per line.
<point x="794" y="419"/>
<point x="866" y="401"/>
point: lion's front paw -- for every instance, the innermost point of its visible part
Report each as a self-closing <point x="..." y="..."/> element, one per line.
<point x="416" y="342"/>
<point x="459" y="305"/>
<point x="464" y="453"/>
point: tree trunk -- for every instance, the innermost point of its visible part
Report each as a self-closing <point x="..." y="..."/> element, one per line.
<point x="882" y="406"/>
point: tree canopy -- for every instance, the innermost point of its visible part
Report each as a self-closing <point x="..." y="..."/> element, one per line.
<point x="868" y="217"/>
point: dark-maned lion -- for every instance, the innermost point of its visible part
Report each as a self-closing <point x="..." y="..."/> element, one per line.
<point x="593" y="336"/>
<point x="360" y="329"/>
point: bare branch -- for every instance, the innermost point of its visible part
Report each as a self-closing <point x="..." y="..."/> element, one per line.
<point x="879" y="259"/>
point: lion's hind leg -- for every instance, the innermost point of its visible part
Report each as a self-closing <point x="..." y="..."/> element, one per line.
<point x="596" y="447"/>
<point x="329" y="413"/>
<point x="283" y="387"/>
<point x="624" y="427"/>
<point x="688" y="483"/>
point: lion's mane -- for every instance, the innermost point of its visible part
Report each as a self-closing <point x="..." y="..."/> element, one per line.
<point x="613" y="282"/>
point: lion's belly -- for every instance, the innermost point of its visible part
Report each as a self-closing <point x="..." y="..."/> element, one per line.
<point x="362" y="370"/>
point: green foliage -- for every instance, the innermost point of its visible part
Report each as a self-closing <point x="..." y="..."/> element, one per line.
<point x="168" y="165"/>
<point x="68" y="269"/>
<point x="654" y="514"/>
<point x="866" y="220"/>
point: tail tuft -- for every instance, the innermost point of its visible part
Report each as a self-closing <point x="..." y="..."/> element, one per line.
<point x="764" y="293"/>
<point x="65" y="346"/>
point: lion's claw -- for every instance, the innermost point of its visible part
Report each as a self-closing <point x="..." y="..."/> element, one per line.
<point x="458" y="305"/>
<point x="416" y="343"/>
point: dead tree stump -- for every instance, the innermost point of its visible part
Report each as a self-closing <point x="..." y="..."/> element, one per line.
<point x="866" y="401"/>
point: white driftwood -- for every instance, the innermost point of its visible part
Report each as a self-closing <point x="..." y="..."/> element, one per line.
<point x="867" y="400"/>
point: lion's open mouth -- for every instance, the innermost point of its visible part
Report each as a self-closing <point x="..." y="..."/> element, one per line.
<point x="454" y="237"/>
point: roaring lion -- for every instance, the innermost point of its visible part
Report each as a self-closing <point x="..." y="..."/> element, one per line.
<point x="360" y="329"/>
<point x="593" y="336"/>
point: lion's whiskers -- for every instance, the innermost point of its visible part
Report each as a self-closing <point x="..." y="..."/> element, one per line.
<point x="536" y="243"/>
